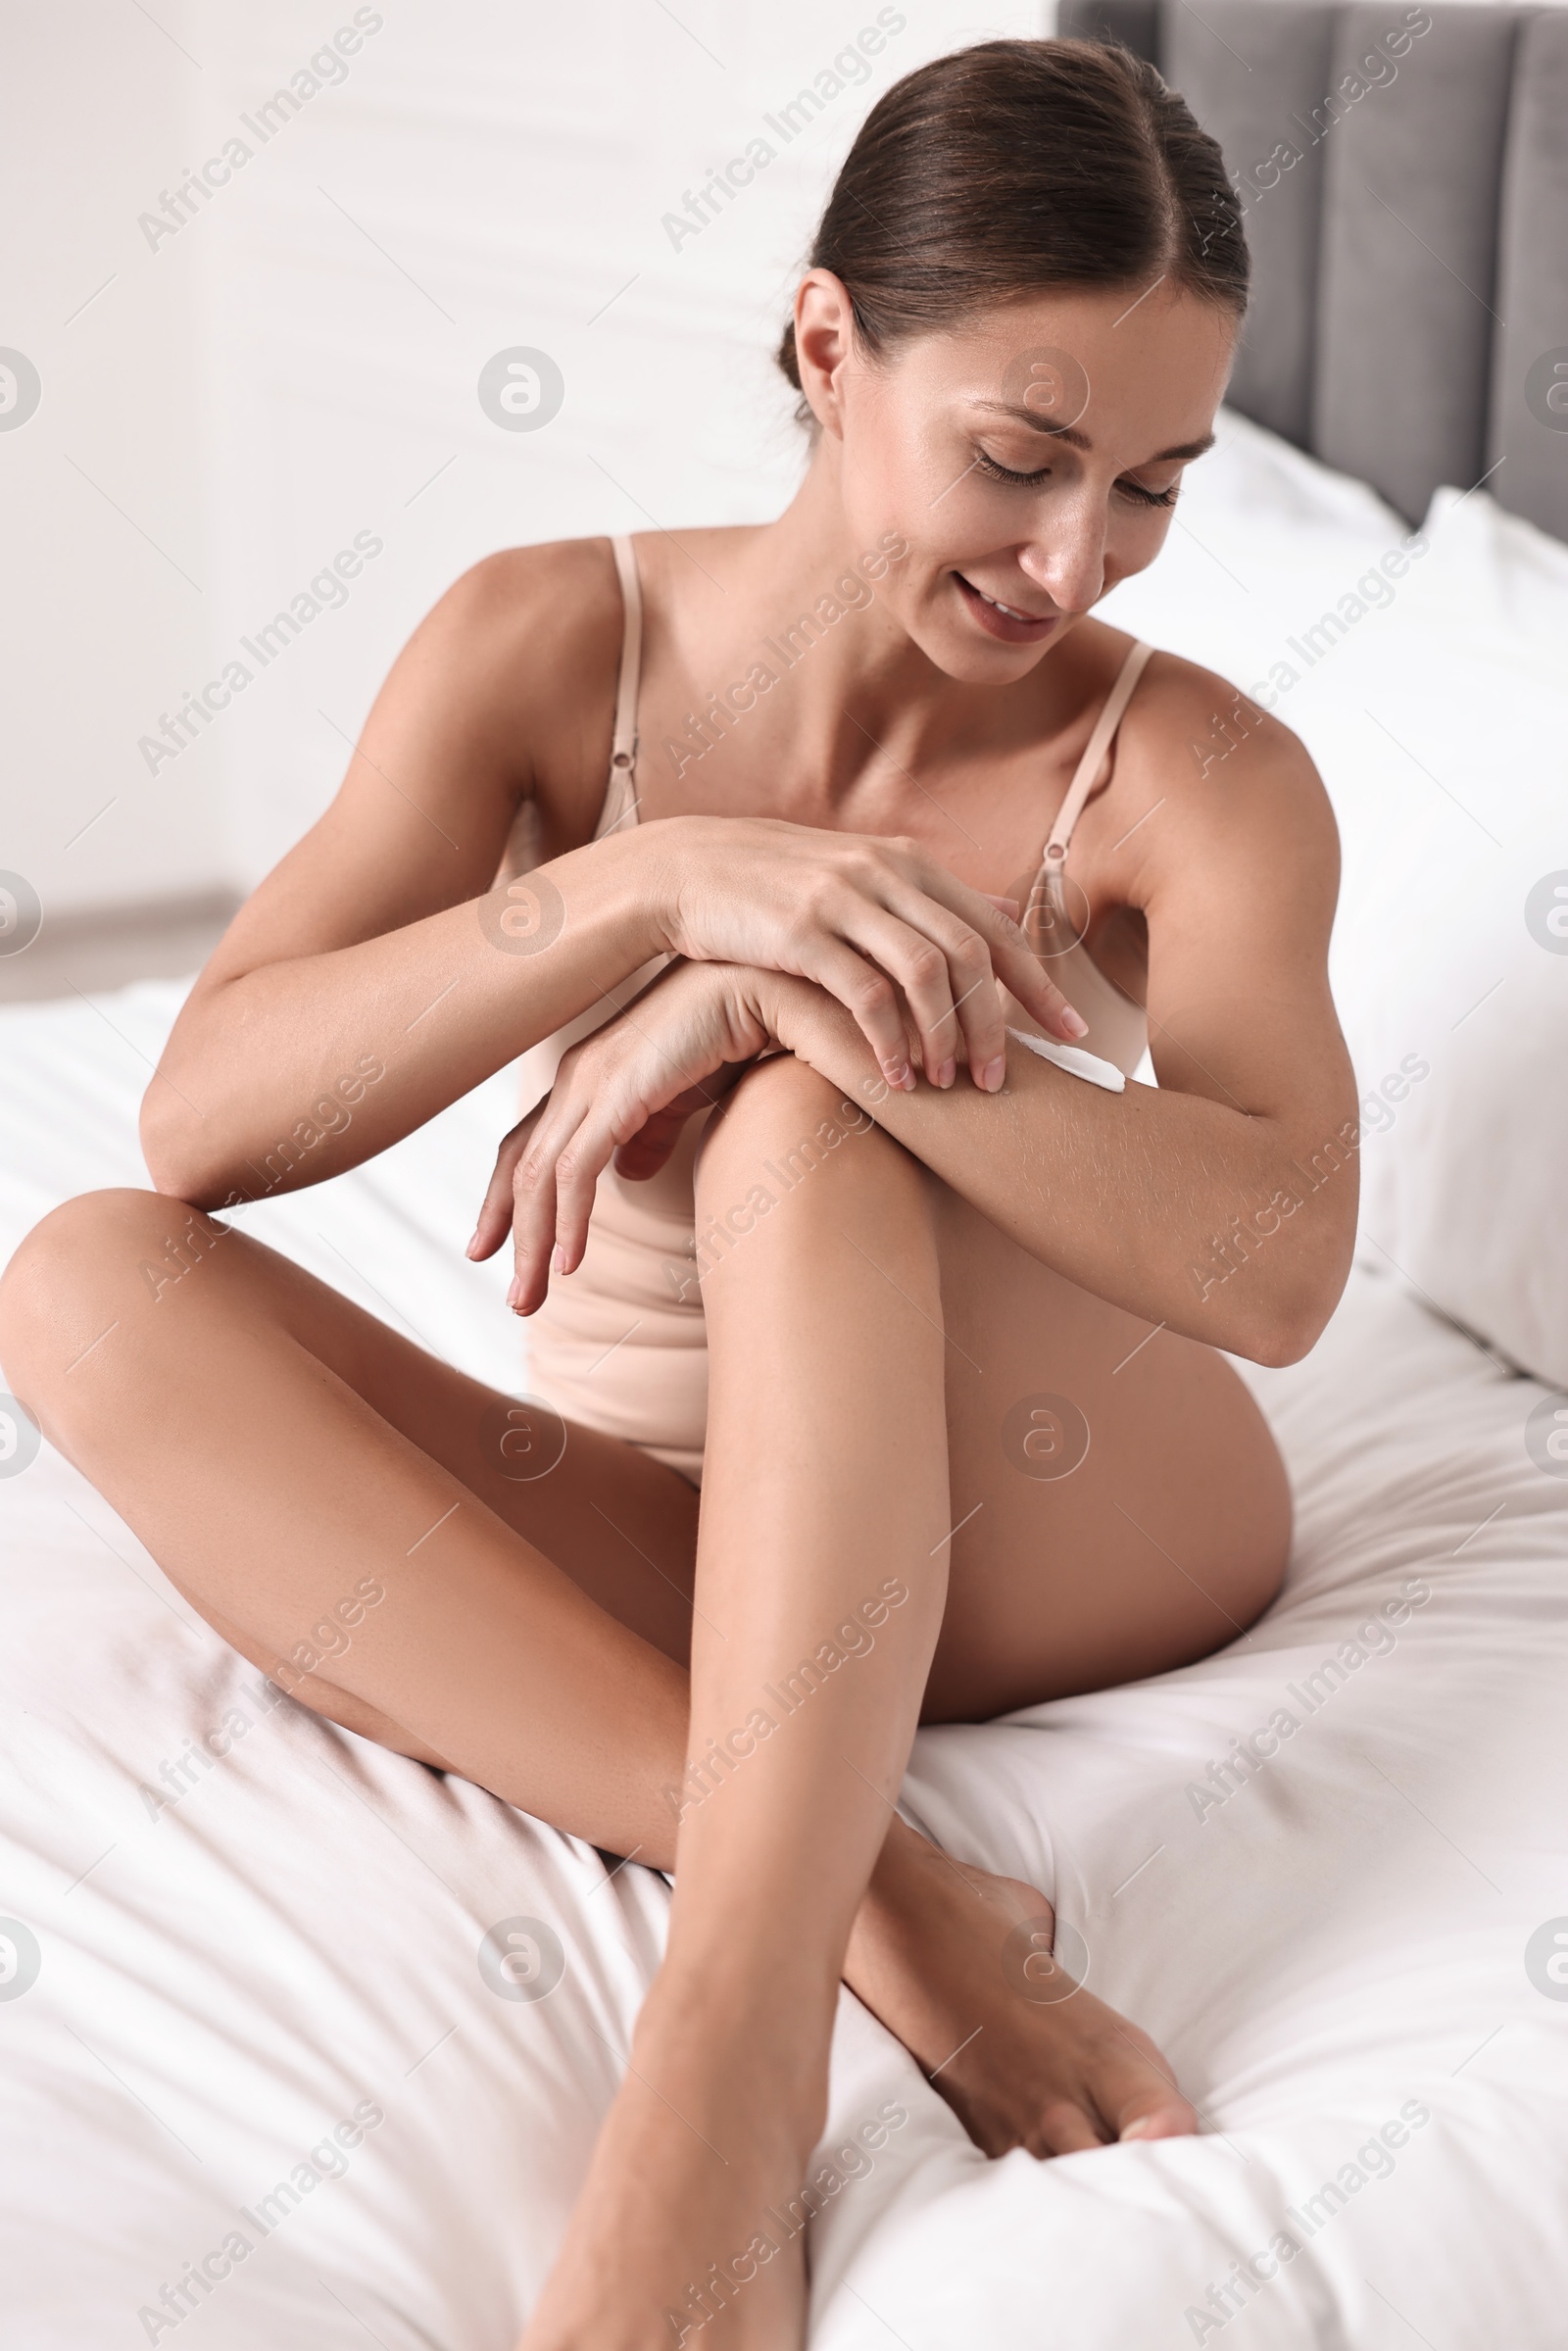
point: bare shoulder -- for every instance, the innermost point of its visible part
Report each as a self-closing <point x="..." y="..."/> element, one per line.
<point x="504" y="691"/>
<point x="560" y="595"/>
<point x="1230" y="780"/>
<point x="529" y="640"/>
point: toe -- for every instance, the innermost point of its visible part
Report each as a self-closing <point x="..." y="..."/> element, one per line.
<point x="1170" y="2117"/>
<point x="1139" y="2100"/>
<point x="1066" y="2129"/>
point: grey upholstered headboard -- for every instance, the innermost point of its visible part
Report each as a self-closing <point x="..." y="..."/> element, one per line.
<point x="1404" y="172"/>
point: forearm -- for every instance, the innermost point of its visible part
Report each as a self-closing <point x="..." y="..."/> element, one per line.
<point x="1190" y="1212"/>
<point x="304" y="1066"/>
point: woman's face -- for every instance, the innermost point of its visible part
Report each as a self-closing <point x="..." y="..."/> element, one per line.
<point x="1030" y="457"/>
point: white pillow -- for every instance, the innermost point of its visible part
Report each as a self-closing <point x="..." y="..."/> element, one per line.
<point x="1436" y="713"/>
<point x="1462" y="956"/>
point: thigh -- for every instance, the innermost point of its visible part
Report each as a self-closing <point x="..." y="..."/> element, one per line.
<point x="622" y="1526"/>
<point x="1119" y="1504"/>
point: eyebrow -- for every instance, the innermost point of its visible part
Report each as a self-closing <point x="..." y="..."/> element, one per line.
<point x="1080" y="440"/>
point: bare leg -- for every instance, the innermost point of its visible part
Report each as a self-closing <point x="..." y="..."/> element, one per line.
<point x="278" y="1449"/>
<point x="248" y="1401"/>
<point x="832" y="1326"/>
<point x="825" y="1498"/>
<point x="1119" y="1508"/>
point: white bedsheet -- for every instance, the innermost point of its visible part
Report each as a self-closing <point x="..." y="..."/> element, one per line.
<point x="1339" y="1942"/>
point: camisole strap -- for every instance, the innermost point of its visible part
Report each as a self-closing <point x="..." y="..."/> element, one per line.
<point x="1087" y="773"/>
<point x="620" y="791"/>
<point x="625" y="751"/>
<point x="1118" y="1028"/>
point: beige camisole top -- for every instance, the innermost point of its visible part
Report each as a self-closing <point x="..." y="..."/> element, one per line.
<point x="620" y="1344"/>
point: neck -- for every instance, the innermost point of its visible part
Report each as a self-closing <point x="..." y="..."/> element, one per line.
<point x="796" y="633"/>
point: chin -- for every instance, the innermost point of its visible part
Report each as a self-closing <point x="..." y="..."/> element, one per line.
<point x="973" y="657"/>
<point x="958" y="656"/>
<point x="966" y="636"/>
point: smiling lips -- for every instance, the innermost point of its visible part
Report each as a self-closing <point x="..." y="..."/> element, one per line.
<point x="1004" y="621"/>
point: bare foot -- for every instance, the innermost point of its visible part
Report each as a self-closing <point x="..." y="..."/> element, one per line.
<point x="690" y="2227"/>
<point x="958" y="1964"/>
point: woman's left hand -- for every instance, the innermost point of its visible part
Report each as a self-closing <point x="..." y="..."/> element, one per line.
<point x="623" y="1095"/>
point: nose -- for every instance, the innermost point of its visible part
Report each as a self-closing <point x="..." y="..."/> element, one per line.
<point x="1068" y="557"/>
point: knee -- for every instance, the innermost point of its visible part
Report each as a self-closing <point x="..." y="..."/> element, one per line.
<point x="791" y="1156"/>
<point x="75" y="1271"/>
<point x="782" y="1122"/>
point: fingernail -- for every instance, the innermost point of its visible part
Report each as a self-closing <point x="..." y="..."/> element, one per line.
<point x="947" y="1073"/>
<point x="1141" y="2129"/>
<point x="899" y="1073"/>
<point x="557" y="1260"/>
<point x="993" y="1074"/>
<point x="515" y="1291"/>
<point x="1073" y="1023"/>
<point x="473" y="1243"/>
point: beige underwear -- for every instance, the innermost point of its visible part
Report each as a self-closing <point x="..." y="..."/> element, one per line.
<point x="620" y="1344"/>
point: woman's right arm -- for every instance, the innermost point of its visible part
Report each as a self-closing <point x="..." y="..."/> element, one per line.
<point x="375" y="976"/>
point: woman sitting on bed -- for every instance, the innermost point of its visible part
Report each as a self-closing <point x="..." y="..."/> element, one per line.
<point x="887" y="1244"/>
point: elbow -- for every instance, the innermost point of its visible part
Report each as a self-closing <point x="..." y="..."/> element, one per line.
<point x="169" y="1149"/>
<point x="1285" y="1337"/>
<point x="1288" y="1324"/>
<point x="1273" y="1287"/>
<point x="158" y="1134"/>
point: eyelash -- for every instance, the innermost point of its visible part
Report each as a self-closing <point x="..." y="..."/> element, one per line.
<point x="1027" y="481"/>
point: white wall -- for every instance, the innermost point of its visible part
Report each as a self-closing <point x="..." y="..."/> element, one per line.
<point x="486" y="179"/>
<point x="106" y="593"/>
<point x="299" y="361"/>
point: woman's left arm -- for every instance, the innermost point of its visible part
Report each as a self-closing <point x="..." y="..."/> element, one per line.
<point x="1222" y="1204"/>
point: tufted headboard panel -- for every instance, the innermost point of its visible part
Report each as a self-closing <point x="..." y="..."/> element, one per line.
<point x="1405" y="173"/>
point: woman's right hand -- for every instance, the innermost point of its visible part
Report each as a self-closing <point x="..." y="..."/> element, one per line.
<point x="621" y="1095"/>
<point x="875" y="921"/>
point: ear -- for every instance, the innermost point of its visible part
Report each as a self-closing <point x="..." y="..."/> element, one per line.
<point x="824" y="342"/>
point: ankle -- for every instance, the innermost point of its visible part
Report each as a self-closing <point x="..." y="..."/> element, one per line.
<point x="918" y="1889"/>
<point x="745" y="1972"/>
<point x="747" y="2088"/>
<point x="910" y="1875"/>
<point x="775" y="2016"/>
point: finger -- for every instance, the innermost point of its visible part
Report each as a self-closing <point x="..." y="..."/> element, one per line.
<point x="533" y="1200"/>
<point x="938" y="938"/>
<point x="932" y="957"/>
<point x="1031" y="983"/>
<point x="867" y="994"/>
<point x="495" y="1209"/>
<point x="1013" y="957"/>
<point x="621" y="1080"/>
<point x="944" y="966"/>
<point x="650" y="1148"/>
<point x="613" y="1116"/>
<point x="1016" y="965"/>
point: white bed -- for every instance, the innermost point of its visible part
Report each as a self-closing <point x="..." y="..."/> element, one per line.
<point x="1333" y="1950"/>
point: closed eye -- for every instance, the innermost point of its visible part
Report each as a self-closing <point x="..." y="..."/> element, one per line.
<point x="1023" y="481"/>
<point x="1030" y="481"/>
<point x="1135" y="489"/>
